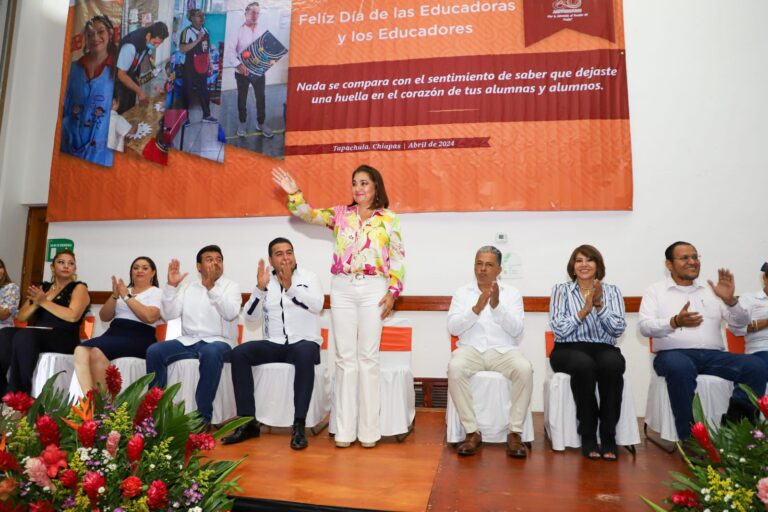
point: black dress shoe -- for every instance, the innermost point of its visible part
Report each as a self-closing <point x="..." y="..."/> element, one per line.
<point x="247" y="431"/>
<point x="298" y="437"/>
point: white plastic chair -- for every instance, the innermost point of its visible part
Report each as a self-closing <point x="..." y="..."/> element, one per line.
<point x="273" y="391"/>
<point x="560" y="423"/>
<point x="491" y="399"/>
<point x="398" y="397"/>
<point x="714" y="392"/>
<point x="51" y="363"/>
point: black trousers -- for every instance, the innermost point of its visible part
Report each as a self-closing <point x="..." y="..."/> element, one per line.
<point x="259" y="87"/>
<point x="196" y="81"/>
<point x="591" y="364"/>
<point x="20" y="349"/>
<point x="303" y="355"/>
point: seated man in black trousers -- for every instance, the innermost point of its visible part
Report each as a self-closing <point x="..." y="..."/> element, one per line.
<point x="290" y="300"/>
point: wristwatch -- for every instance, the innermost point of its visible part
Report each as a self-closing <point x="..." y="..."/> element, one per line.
<point x="129" y="296"/>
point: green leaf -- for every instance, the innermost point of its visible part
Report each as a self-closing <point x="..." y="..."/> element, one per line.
<point x="652" y="505"/>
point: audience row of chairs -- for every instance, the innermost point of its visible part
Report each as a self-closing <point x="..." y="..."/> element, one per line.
<point x="491" y="393"/>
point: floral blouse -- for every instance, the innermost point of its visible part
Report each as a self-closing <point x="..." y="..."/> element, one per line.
<point x="9" y="299"/>
<point x="372" y="247"/>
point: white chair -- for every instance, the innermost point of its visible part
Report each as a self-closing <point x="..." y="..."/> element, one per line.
<point x="51" y="363"/>
<point x="273" y="391"/>
<point x="492" y="400"/>
<point x="398" y="397"/>
<point x="187" y="372"/>
<point x="714" y="392"/>
<point x="560" y="423"/>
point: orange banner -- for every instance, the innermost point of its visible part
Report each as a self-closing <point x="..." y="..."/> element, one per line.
<point x="463" y="106"/>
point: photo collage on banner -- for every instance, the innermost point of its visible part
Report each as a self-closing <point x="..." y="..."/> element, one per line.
<point x="88" y="100"/>
<point x="115" y="91"/>
<point x="193" y="103"/>
<point x="255" y="78"/>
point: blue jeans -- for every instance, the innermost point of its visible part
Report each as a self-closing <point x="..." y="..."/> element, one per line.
<point x="680" y="367"/>
<point x="764" y="356"/>
<point x="212" y="357"/>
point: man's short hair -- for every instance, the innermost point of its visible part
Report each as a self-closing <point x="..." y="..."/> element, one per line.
<point x="252" y="4"/>
<point x="670" y="252"/>
<point x="278" y="240"/>
<point x="208" y="248"/>
<point x="158" y="29"/>
<point x="492" y="250"/>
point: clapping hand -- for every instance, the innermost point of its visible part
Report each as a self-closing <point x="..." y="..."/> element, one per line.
<point x="597" y="295"/>
<point x="482" y="301"/>
<point x="687" y="318"/>
<point x="284" y="180"/>
<point x="115" y="288"/>
<point x="36" y="295"/>
<point x="494" y="297"/>
<point x="262" y="275"/>
<point x="284" y="274"/>
<point x="725" y="286"/>
<point x="174" y="273"/>
<point x="122" y="289"/>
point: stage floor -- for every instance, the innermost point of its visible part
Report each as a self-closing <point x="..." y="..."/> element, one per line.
<point x="424" y="473"/>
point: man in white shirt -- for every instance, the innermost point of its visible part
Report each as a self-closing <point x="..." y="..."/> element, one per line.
<point x="290" y="300"/>
<point x="487" y="316"/>
<point x="684" y="318"/>
<point x="756" y="332"/>
<point x="209" y="307"/>
<point x="234" y="47"/>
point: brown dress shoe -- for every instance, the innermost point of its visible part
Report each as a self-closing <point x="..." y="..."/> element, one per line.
<point x="515" y="446"/>
<point x="471" y="444"/>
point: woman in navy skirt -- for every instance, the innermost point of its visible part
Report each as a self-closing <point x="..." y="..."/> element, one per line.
<point x="134" y="311"/>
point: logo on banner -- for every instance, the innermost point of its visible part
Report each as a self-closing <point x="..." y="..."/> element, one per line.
<point x="567" y="10"/>
<point x="592" y="17"/>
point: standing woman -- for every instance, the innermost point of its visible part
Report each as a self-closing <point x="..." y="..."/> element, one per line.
<point x="756" y="331"/>
<point x="88" y="100"/>
<point x="9" y="298"/>
<point x="586" y="317"/>
<point x="368" y="276"/>
<point x="134" y="311"/>
<point x="57" y="309"/>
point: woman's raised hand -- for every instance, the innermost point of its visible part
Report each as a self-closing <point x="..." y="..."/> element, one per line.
<point x="284" y="180"/>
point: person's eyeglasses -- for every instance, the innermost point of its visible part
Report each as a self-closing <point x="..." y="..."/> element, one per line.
<point x="687" y="258"/>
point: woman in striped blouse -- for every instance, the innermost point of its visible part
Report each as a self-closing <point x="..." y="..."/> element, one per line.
<point x="586" y="317"/>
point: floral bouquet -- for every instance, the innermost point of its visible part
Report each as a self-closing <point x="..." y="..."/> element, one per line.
<point x="729" y="467"/>
<point x="113" y="451"/>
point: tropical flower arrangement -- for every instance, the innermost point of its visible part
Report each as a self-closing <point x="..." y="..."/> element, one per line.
<point x="728" y="467"/>
<point x="126" y="451"/>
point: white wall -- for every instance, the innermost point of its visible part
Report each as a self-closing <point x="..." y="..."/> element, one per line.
<point x="700" y="174"/>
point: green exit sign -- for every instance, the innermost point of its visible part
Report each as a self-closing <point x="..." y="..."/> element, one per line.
<point x="56" y="245"/>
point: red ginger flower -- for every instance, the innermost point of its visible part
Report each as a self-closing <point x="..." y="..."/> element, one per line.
<point x="86" y="433"/>
<point x="68" y="479"/>
<point x="135" y="447"/>
<point x="114" y="381"/>
<point x="686" y="498"/>
<point x="8" y="463"/>
<point x="48" y="430"/>
<point x="762" y="403"/>
<point x="41" y="506"/>
<point x="131" y="487"/>
<point x="198" y="442"/>
<point x="157" y="495"/>
<point x="54" y="459"/>
<point x="92" y="482"/>
<point x="701" y="435"/>
<point x="19" y="401"/>
<point x="148" y="405"/>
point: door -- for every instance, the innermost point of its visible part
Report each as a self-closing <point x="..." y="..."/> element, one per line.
<point x="34" y="247"/>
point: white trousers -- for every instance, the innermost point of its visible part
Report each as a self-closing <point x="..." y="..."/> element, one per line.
<point x="467" y="361"/>
<point x="356" y="317"/>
